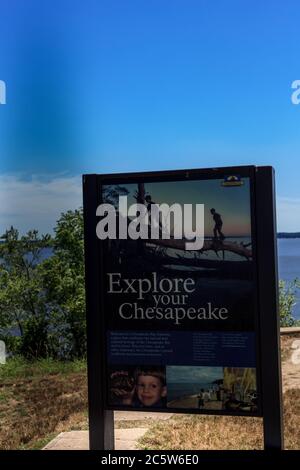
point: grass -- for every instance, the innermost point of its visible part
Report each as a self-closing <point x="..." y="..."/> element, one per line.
<point x="39" y="400"/>
<point x="19" y="367"/>
<point x="39" y="443"/>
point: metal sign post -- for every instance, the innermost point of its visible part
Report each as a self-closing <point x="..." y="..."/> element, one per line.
<point x="268" y="308"/>
<point x="101" y="420"/>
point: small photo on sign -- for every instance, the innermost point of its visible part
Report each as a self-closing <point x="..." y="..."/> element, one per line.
<point x="195" y="387"/>
<point x="138" y="386"/>
<point x="231" y="389"/>
<point x="121" y="386"/>
<point x="239" y="389"/>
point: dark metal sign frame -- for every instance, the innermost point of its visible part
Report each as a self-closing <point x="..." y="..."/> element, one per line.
<point x="267" y="330"/>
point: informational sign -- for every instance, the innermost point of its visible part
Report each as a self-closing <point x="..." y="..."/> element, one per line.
<point x="179" y="319"/>
<point x="180" y="323"/>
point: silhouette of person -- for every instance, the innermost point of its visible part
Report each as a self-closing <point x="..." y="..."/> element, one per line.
<point x="149" y="202"/>
<point x="200" y="399"/>
<point x="218" y="225"/>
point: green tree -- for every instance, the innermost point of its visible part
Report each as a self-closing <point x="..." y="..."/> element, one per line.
<point x="287" y="300"/>
<point x="42" y="301"/>
<point x="63" y="281"/>
<point x="24" y="317"/>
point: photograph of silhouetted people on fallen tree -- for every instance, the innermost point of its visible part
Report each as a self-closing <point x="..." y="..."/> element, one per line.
<point x="218" y="225"/>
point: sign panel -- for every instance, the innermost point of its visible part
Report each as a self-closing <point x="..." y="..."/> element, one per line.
<point x="180" y="321"/>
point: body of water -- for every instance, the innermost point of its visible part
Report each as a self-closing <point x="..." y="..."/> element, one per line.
<point x="180" y="390"/>
<point x="289" y="264"/>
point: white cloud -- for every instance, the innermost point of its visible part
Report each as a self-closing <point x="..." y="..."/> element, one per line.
<point x="37" y="202"/>
<point x="288" y="214"/>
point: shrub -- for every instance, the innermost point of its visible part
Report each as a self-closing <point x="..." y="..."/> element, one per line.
<point x="287" y="300"/>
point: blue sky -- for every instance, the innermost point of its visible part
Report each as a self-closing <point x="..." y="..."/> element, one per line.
<point x="127" y="85"/>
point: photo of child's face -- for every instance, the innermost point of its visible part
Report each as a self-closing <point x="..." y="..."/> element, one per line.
<point x="150" y="390"/>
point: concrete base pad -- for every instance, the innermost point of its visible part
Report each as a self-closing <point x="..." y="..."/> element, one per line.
<point x="125" y="439"/>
